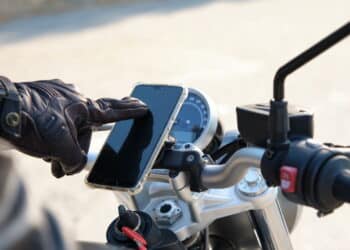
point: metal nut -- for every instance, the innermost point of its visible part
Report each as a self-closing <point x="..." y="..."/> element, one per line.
<point x="168" y="212"/>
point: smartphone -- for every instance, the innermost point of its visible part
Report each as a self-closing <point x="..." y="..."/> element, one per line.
<point x="133" y="145"/>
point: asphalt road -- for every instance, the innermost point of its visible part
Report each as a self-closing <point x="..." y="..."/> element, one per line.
<point x="229" y="49"/>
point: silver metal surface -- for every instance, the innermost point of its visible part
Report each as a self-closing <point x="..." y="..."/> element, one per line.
<point x="180" y="185"/>
<point x="253" y="183"/>
<point x="167" y="212"/>
<point x="230" y="173"/>
<point x="219" y="203"/>
<point x="291" y="211"/>
<point x="198" y="210"/>
<point x="273" y="231"/>
<point x="271" y="226"/>
<point x="159" y="175"/>
<point x="211" y="205"/>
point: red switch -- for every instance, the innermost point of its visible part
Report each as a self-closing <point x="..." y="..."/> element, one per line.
<point x="288" y="176"/>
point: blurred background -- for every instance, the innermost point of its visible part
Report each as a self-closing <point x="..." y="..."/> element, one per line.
<point x="230" y="49"/>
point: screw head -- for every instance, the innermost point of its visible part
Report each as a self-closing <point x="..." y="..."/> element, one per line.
<point x="252" y="184"/>
<point x="13" y="119"/>
<point x="252" y="178"/>
<point x="190" y="158"/>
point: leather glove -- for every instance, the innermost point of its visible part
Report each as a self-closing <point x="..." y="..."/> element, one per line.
<point x="57" y="122"/>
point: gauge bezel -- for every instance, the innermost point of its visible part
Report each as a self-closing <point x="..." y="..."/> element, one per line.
<point x="209" y="131"/>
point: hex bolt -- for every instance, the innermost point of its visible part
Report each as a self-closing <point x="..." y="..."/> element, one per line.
<point x="251" y="178"/>
<point x="167" y="212"/>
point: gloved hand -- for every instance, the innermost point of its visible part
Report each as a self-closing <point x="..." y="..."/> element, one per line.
<point x="57" y="122"/>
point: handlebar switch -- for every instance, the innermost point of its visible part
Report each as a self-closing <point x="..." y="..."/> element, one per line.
<point x="311" y="174"/>
<point x="288" y="177"/>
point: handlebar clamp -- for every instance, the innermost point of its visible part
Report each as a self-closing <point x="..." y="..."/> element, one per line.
<point x="185" y="159"/>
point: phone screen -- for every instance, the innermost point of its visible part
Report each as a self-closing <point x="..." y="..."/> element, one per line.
<point x="131" y="146"/>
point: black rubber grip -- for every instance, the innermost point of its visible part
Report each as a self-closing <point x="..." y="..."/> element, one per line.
<point x="341" y="186"/>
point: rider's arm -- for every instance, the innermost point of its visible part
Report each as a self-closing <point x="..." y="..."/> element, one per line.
<point x="54" y="122"/>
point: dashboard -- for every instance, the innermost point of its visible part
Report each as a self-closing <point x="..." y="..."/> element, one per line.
<point x="197" y="120"/>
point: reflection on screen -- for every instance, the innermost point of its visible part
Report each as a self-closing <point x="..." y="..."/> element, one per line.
<point x="183" y="136"/>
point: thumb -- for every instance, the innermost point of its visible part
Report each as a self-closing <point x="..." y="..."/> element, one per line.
<point x="59" y="169"/>
<point x="56" y="169"/>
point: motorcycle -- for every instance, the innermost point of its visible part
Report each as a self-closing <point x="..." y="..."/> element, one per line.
<point x="244" y="189"/>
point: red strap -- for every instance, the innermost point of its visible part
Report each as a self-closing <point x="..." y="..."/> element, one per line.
<point x="136" y="237"/>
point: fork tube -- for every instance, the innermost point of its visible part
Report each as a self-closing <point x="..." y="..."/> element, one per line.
<point x="272" y="228"/>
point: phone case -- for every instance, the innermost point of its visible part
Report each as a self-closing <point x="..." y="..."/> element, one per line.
<point x="157" y="150"/>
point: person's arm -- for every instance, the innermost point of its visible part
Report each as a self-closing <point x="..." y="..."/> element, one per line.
<point x="51" y="120"/>
<point x="54" y="121"/>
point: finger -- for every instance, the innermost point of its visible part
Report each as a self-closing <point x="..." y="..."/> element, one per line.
<point x="110" y="110"/>
<point x="60" y="137"/>
<point x="131" y="98"/>
<point x="72" y="159"/>
<point x="64" y="146"/>
<point x="57" y="170"/>
<point x="124" y="114"/>
<point x="127" y="102"/>
<point x="84" y="139"/>
<point x="113" y="115"/>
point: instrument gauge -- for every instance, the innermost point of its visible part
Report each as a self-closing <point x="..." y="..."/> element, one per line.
<point x="196" y="122"/>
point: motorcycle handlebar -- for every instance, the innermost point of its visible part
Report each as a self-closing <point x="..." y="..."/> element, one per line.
<point x="212" y="175"/>
<point x="230" y="173"/>
<point x="322" y="180"/>
<point x="310" y="174"/>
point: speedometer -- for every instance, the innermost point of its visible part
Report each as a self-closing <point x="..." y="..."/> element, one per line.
<point x="196" y="122"/>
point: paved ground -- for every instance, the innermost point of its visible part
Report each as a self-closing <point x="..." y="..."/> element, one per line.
<point x="230" y="49"/>
<point x="12" y="9"/>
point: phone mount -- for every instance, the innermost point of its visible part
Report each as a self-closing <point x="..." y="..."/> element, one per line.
<point x="184" y="158"/>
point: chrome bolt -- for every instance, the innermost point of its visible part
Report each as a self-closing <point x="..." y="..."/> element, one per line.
<point x="251" y="178"/>
<point x="167" y="212"/>
<point x="252" y="184"/>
